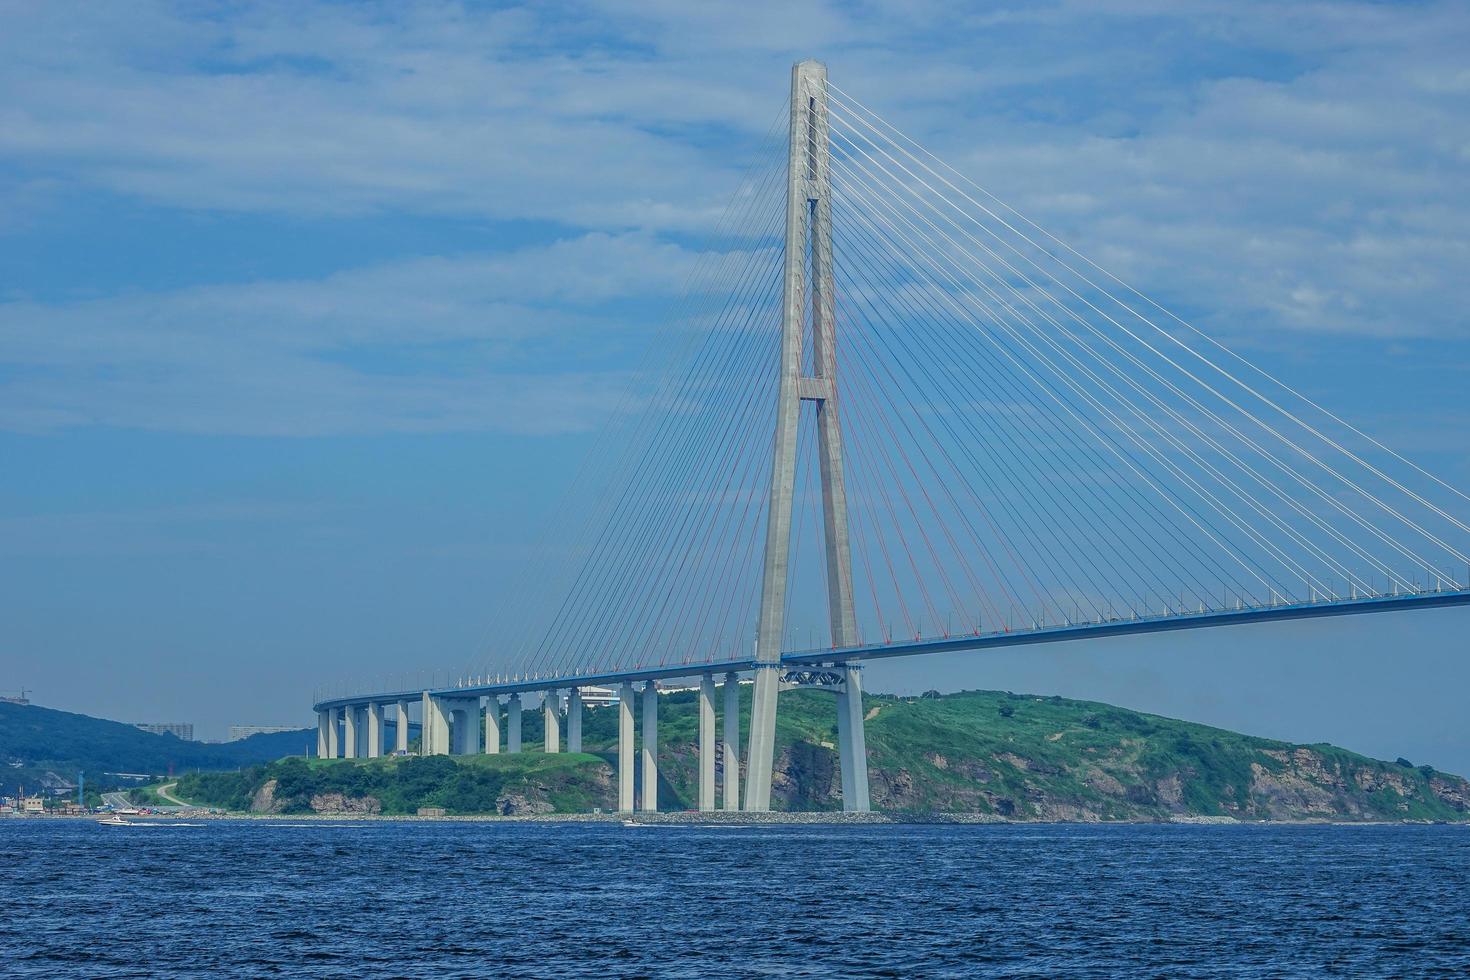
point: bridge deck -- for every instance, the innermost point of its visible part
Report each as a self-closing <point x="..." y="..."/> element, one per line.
<point x="950" y="644"/>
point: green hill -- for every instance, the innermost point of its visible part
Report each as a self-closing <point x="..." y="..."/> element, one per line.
<point x="977" y="752"/>
<point x="35" y="741"/>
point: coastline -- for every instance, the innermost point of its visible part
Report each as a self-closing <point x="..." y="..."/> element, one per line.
<point x="722" y="819"/>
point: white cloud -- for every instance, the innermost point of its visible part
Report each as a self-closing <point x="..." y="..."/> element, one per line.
<point x="1267" y="167"/>
<point x="439" y="344"/>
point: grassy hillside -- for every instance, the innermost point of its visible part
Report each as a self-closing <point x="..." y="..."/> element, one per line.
<point x="35" y="740"/>
<point x="525" y="783"/>
<point x="1008" y="755"/>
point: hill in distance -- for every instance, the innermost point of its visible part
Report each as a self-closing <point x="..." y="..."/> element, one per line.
<point x="982" y="753"/>
<point x="36" y="740"/>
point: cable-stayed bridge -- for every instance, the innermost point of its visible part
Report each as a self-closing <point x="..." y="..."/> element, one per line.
<point x="893" y="406"/>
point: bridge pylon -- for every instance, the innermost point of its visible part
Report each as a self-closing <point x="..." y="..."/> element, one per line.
<point x="808" y="240"/>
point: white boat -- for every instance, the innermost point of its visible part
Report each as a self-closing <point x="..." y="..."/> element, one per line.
<point x="113" y="820"/>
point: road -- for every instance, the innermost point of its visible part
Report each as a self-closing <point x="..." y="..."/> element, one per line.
<point x="120" y="801"/>
<point x="163" y="792"/>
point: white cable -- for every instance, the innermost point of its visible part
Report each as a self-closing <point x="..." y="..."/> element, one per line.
<point x="1232" y="551"/>
<point x="1072" y="313"/>
<point x="1180" y="418"/>
<point x="1350" y="483"/>
<point x="1201" y="334"/>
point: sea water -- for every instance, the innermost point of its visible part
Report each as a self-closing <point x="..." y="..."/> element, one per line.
<point x="413" y="898"/>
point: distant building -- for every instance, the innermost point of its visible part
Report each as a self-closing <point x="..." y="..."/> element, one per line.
<point x="238" y="732"/>
<point x="32" y="804"/>
<point x="178" y="729"/>
<point x="594" y="696"/>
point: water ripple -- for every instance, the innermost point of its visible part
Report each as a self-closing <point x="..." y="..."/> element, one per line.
<point x="247" y="899"/>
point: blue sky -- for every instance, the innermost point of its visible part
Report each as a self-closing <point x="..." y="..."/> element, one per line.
<point x="307" y="310"/>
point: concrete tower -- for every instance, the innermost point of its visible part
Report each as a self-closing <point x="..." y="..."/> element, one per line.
<point x="808" y="235"/>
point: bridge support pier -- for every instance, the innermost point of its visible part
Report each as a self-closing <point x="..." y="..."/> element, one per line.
<point x="625" y="749"/>
<point x="513" y="723"/>
<point x="350" y="747"/>
<point x="551" y="715"/>
<point x="729" y="744"/>
<point x="762" y="748"/>
<point x="650" y="747"/>
<point x="374" y="729"/>
<point x="334" y="733"/>
<point x="574" y="720"/>
<point x="323" y="719"/>
<point x="852" y="746"/>
<point x="400" y="734"/>
<point x="434" y="730"/>
<point x="465" y="713"/>
<point x="492" y="725"/>
<point x="706" y="743"/>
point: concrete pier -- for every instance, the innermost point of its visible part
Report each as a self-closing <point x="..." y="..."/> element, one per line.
<point x="400" y="734"/>
<point x="650" y="747"/>
<point x="334" y="734"/>
<point x="574" y="720"/>
<point x="492" y="725"/>
<point x="464" y="716"/>
<point x="323" y="740"/>
<point x="513" y="723"/>
<point x="707" y="743"/>
<point x="551" y="718"/>
<point x="625" y="749"/>
<point x="349" y="733"/>
<point x="730" y="743"/>
<point x="434" y="731"/>
<point x="852" y="747"/>
<point x="374" y="730"/>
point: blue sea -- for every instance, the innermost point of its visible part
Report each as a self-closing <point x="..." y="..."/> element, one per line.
<point x="382" y="899"/>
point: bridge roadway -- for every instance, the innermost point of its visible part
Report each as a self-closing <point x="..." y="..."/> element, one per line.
<point x="802" y="668"/>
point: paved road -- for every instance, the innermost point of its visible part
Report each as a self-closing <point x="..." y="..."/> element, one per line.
<point x="163" y="792"/>
<point x="117" y="801"/>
